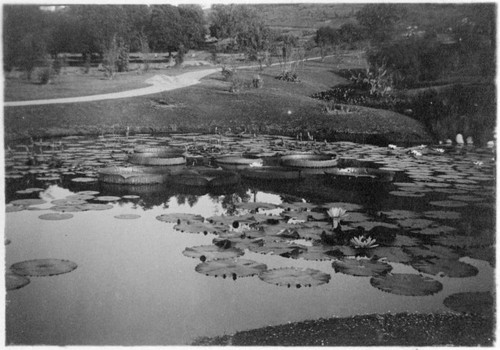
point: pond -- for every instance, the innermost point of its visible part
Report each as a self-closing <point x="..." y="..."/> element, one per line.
<point x="96" y="263"/>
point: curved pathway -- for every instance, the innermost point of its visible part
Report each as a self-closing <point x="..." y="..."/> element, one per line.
<point x="158" y="84"/>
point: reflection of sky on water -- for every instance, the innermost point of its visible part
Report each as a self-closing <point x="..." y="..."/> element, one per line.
<point x="133" y="286"/>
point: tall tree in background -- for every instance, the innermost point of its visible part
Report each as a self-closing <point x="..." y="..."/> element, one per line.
<point x="165" y="28"/>
<point x="379" y="20"/>
<point x="192" y="25"/>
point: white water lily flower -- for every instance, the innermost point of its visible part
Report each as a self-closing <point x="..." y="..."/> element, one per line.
<point x="336" y="214"/>
<point x="440" y="150"/>
<point x="256" y="164"/>
<point x="415" y="153"/>
<point x="363" y="243"/>
<point x="391" y="146"/>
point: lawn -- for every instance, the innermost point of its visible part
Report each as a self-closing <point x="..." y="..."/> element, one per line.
<point x="279" y="107"/>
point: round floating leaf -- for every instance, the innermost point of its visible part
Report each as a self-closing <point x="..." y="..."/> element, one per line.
<point x="195" y="227"/>
<point x="55" y="216"/>
<point x="435" y="231"/>
<point x="432" y="251"/>
<point x="13" y="208"/>
<point x="212" y="252"/>
<point x="481" y="303"/>
<point x="65" y="208"/>
<point x="255" y="205"/>
<point x="84" y="179"/>
<point x="448" y="267"/>
<point x="361" y="267"/>
<point x="400" y="214"/>
<point x="127" y="216"/>
<point x="131" y="196"/>
<point x="43" y="267"/>
<point x="176" y="217"/>
<point x="406" y="194"/>
<point x="107" y="198"/>
<point x="68" y="202"/>
<point x="27" y="202"/>
<point x="466" y="198"/>
<point x="482" y="240"/>
<point x="279" y="248"/>
<point x="347" y="206"/>
<point x="406" y="284"/>
<point x="449" y="204"/>
<point x="295" y="277"/>
<point x="90" y="193"/>
<point x="442" y="214"/>
<point x="83" y="197"/>
<point x="391" y="254"/>
<point x="231" y="267"/>
<point x="415" y="223"/>
<point x="14" y="281"/>
<point x="95" y="206"/>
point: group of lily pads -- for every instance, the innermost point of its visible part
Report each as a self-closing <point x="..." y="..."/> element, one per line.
<point x="358" y="241"/>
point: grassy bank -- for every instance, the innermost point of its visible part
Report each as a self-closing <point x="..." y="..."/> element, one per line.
<point x="370" y="330"/>
<point x="278" y="107"/>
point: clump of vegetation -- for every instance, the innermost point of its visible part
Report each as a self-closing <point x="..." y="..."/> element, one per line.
<point x="288" y="76"/>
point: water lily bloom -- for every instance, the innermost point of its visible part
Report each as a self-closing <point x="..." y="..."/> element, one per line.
<point x="256" y="164"/>
<point x="391" y="146"/>
<point x="363" y="243"/>
<point x="336" y="214"/>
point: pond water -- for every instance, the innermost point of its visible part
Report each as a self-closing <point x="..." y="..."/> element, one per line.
<point x="137" y="280"/>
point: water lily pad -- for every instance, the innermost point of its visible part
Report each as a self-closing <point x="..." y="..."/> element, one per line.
<point x="95" y="206"/>
<point x="68" y="202"/>
<point x="361" y="267"/>
<point x="344" y="205"/>
<point x="368" y="225"/>
<point x="320" y="253"/>
<point x="480" y="303"/>
<point x="390" y="254"/>
<point x="406" y="284"/>
<point x="43" y="267"/>
<point x="127" y="216"/>
<point x="399" y="214"/>
<point x="107" y="198"/>
<point x="466" y="198"/>
<point x="435" y="231"/>
<point x="90" y="193"/>
<point x="415" y="223"/>
<point x="481" y="240"/>
<point x="84" y="179"/>
<point x="176" y="217"/>
<point x="432" y="251"/>
<point x="131" y="196"/>
<point x="255" y="205"/>
<point x="407" y="194"/>
<point x="231" y="267"/>
<point x="303" y="215"/>
<point x="27" y="202"/>
<point x="13" y="208"/>
<point x="212" y="252"/>
<point x="297" y="206"/>
<point x="448" y="267"/>
<point x="15" y="281"/>
<point x="66" y="208"/>
<point x="442" y="214"/>
<point x="295" y="277"/>
<point x="55" y="216"/>
<point x="279" y="248"/>
<point x="196" y="227"/>
<point x="448" y="204"/>
<point x="83" y="197"/>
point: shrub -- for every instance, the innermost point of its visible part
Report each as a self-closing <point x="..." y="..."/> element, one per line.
<point x="46" y="75"/>
<point x="288" y="76"/>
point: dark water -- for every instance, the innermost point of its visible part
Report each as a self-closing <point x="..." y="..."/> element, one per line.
<point x="134" y="286"/>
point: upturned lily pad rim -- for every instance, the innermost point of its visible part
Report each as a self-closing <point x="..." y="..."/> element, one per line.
<point x="43" y="267"/>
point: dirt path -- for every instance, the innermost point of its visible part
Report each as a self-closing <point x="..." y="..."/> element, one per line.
<point x="159" y="83"/>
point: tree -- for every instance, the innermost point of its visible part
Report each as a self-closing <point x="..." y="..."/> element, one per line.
<point x="325" y="38"/>
<point x="192" y="25"/>
<point x="165" y="29"/>
<point x="378" y="20"/>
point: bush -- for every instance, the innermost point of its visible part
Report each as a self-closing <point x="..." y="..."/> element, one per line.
<point x="288" y="76"/>
<point x="46" y="75"/>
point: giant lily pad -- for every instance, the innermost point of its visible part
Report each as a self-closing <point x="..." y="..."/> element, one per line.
<point x="15" y="281"/>
<point x="255" y="205"/>
<point x="177" y="217"/>
<point x="448" y="267"/>
<point x="391" y="254"/>
<point x="231" y="267"/>
<point x="27" y="202"/>
<point x="13" y="208"/>
<point x="68" y="202"/>
<point x="399" y="214"/>
<point x="127" y="216"/>
<point x="406" y="284"/>
<point x="95" y="206"/>
<point x="432" y="251"/>
<point x="415" y="223"/>
<point x="55" y="216"/>
<point x="442" y="214"/>
<point x="449" y="204"/>
<point x="279" y="248"/>
<point x="361" y="267"/>
<point x="195" y="227"/>
<point x="435" y="231"/>
<point x="296" y="277"/>
<point x="107" y="198"/>
<point x="481" y="303"/>
<point x="212" y="252"/>
<point x="43" y="267"/>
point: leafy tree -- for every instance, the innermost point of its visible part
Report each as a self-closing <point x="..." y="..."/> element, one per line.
<point x="165" y="28"/>
<point x="378" y="20"/>
<point x="350" y="33"/>
<point x="325" y="38"/>
<point x="193" y="25"/>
